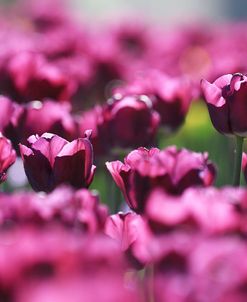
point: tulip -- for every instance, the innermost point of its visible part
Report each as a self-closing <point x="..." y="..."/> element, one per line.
<point x="33" y="78"/>
<point x="171" y="96"/>
<point x="131" y="232"/>
<point x="138" y="117"/>
<point x="50" y="160"/>
<point x="7" y="157"/>
<point x="64" y="206"/>
<point x="195" y="209"/>
<point x="226" y="99"/>
<point x="171" y="169"/>
<point x="135" y="112"/>
<point x="53" y="117"/>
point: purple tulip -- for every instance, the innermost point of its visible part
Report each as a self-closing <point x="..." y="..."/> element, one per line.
<point x="195" y="209"/>
<point x="33" y="77"/>
<point x="50" y="160"/>
<point x="171" y="96"/>
<point x="132" y="234"/>
<point x="192" y="268"/>
<point x="171" y="169"/>
<point x="138" y="117"/>
<point x="42" y="261"/>
<point x="134" y="112"/>
<point x="80" y="209"/>
<point x="52" y="116"/>
<point x="7" y="157"/>
<point x="226" y="99"/>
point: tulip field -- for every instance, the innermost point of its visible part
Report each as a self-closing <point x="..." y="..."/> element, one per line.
<point x="122" y="159"/>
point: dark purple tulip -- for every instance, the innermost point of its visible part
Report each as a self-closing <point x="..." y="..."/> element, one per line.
<point x="226" y="99"/>
<point x="171" y="96"/>
<point x="138" y="117"/>
<point x="171" y="169"/>
<point x="7" y="157"/>
<point x="134" y="112"/>
<point x="49" y="160"/>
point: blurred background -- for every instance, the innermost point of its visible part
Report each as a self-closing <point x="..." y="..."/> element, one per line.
<point x="161" y="11"/>
<point x="175" y="11"/>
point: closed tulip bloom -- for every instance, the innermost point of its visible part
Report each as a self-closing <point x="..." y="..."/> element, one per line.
<point x="7" y="157"/>
<point x="138" y="117"/>
<point x="226" y="99"/>
<point x="50" y="160"/>
<point x="170" y="169"/>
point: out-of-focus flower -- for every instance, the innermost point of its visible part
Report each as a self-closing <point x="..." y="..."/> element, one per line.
<point x="94" y="119"/>
<point x="34" y="78"/>
<point x="7" y="157"/>
<point x="195" y="210"/>
<point x="132" y="234"/>
<point x="134" y="112"/>
<point x="124" y="228"/>
<point x="139" y="120"/>
<point x="170" y="169"/>
<point x="8" y="109"/>
<point x="81" y="288"/>
<point x="227" y="105"/>
<point x="50" y="160"/>
<point x="171" y="96"/>
<point x="40" y="117"/>
<point x="64" y="206"/>
<point x="186" y="267"/>
<point x="49" y="257"/>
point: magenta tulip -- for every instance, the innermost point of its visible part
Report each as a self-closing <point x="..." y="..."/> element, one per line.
<point x="171" y="169"/>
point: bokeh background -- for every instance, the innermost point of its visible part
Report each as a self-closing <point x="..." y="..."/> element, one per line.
<point x="161" y="11"/>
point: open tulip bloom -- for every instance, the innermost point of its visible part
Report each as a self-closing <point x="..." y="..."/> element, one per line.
<point x="171" y="169"/>
<point x="50" y="160"/>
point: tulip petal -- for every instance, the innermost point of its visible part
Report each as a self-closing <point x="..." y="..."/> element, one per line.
<point x="49" y="146"/>
<point x="212" y="94"/>
<point x="81" y="144"/>
<point x="37" y="168"/>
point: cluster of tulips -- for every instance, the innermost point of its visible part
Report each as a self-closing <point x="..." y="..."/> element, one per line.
<point x="84" y="105"/>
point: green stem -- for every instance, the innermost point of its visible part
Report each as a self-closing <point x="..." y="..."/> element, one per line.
<point x="237" y="160"/>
